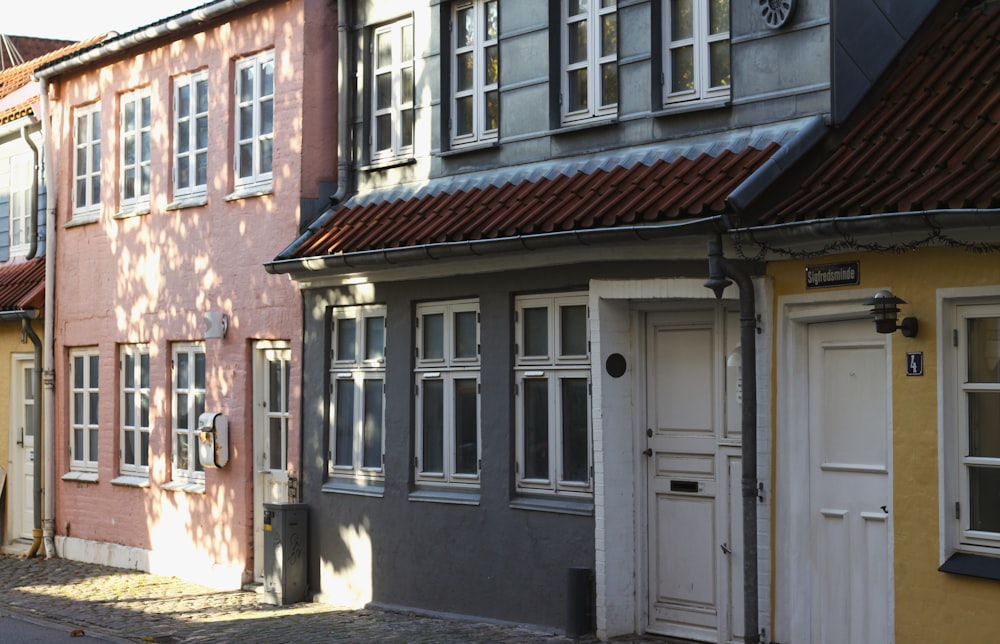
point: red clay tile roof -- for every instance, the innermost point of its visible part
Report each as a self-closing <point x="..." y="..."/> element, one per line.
<point x="22" y="284"/>
<point x="933" y="140"/>
<point x="31" y="47"/>
<point x="14" y="78"/>
<point x="605" y="197"/>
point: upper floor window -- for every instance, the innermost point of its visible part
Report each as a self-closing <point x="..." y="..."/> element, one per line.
<point x="188" y="405"/>
<point x="696" y="50"/>
<point x="392" y="95"/>
<point x="589" y="59"/>
<point x="87" y="159"/>
<point x="21" y="171"/>
<point x="447" y="379"/>
<point x="552" y="390"/>
<point x="357" y="382"/>
<point x="254" y="119"/>
<point x="135" y="422"/>
<point x="476" y="71"/>
<point x="191" y="134"/>
<point x="83" y="405"/>
<point x="136" y="154"/>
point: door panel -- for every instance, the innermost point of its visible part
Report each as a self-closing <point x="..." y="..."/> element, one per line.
<point x="849" y="464"/>
<point x="22" y="480"/>
<point x="690" y="459"/>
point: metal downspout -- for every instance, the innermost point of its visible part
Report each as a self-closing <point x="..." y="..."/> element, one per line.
<point x="41" y="447"/>
<point x="48" y="368"/>
<point x="719" y="269"/>
<point x="33" y="195"/>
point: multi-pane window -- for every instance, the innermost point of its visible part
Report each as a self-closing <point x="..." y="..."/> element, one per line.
<point x="135" y="425"/>
<point x="978" y="450"/>
<point x="357" y="383"/>
<point x="590" y="58"/>
<point x="83" y="399"/>
<point x="476" y="71"/>
<point x="277" y="364"/>
<point x="191" y="134"/>
<point x="696" y="50"/>
<point x="21" y="170"/>
<point x="136" y="130"/>
<point x="87" y="159"/>
<point x="392" y="93"/>
<point x="254" y="119"/>
<point x="552" y="378"/>
<point x="188" y="404"/>
<point x="447" y="390"/>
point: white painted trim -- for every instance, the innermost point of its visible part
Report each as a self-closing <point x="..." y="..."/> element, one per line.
<point x="792" y="470"/>
<point x="192" y="566"/>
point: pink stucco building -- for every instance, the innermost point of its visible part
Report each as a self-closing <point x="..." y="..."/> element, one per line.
<point x="184" y="155"/>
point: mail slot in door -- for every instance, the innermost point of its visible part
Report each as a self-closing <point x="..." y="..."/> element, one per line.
<point x="690" y="487"/>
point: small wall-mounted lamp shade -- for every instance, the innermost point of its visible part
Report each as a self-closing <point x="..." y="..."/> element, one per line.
<point x="885" y="311"/>
<point x="216" y="325"/>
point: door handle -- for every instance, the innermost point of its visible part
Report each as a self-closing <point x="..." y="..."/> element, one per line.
<point x="20" y="443"/>
<point x="726" y="549"/>
<point x="648" y="451"/>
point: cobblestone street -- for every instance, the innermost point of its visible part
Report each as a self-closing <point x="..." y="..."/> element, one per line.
<point x="122" y="605"/>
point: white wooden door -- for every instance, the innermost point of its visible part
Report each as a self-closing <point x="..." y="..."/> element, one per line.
<point x="850" y="522"/>
<point x="271" y="381"/>
<point x="22" y="483"/>
<point x="694" y="546"/>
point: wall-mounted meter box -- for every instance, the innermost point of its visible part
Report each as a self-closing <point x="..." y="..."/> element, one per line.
<point x="213" y="439"/>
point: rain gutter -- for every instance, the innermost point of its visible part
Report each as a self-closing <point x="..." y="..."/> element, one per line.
<point x="480" y="247"/>
<point x="120" y="43"/>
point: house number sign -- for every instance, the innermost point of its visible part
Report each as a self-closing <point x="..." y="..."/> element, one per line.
<point x="915" y="363"/>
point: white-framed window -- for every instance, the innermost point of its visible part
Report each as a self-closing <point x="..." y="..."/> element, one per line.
<point x="136" y="152"/>
<point x="971" y="428"/>
<point x="552" y="393"/>
<point x="447" y="390"/>
<point x="84" y="396"/>
<point x="87" y="160"/>
<point x="357" y="400"/>
<point x="21" y="170"/>
<point x="254" y="119"/>
<point x="190" y="134"/>
<point x="135" y="421"/>
<point x="589" y="59"/>
<point x="392" y="91"/>
<point x="188" y="403"/>
<point x="475" y="81"/>
<point x="696" y="63"/>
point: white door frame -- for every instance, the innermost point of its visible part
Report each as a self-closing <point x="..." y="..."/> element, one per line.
<point x="793" y="565"/>
<point x="262" y="474"/>
<point x="619" y="416"/>
<point x="16" y="494"/>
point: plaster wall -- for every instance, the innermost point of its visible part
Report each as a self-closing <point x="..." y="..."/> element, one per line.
<point x="929" y="605"/>
<point x="149" y="278"/>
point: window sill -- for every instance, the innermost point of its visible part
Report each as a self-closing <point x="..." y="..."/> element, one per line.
<point x="355" y="488"/>
<point x="130" y="481"/>
<point x="193" y="201"/>
<point x="466" y="148"/>
<point x="385" y="164"/>
<point x="692" y="106"/>
<point x="583" y="125"/>
<point x="80" y="477"/>
<point x="438" y="495"/>
<point x="83" y="219"/>
<point x="136" y="211"/>
<point x="970" y="565"/>
<point x="185" y="486"/>
<point x="580" y="507"/>
<point x="247" y="192"/>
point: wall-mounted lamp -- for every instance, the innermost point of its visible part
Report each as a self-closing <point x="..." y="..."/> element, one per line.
<point x="885" y="311"/>
<point x="216" y="325"/>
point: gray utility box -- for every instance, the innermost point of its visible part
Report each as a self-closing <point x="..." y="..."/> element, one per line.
<point x="286" y="530"/>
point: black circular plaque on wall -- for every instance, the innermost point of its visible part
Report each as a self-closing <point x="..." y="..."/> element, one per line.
<point x="615" y="365"/>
